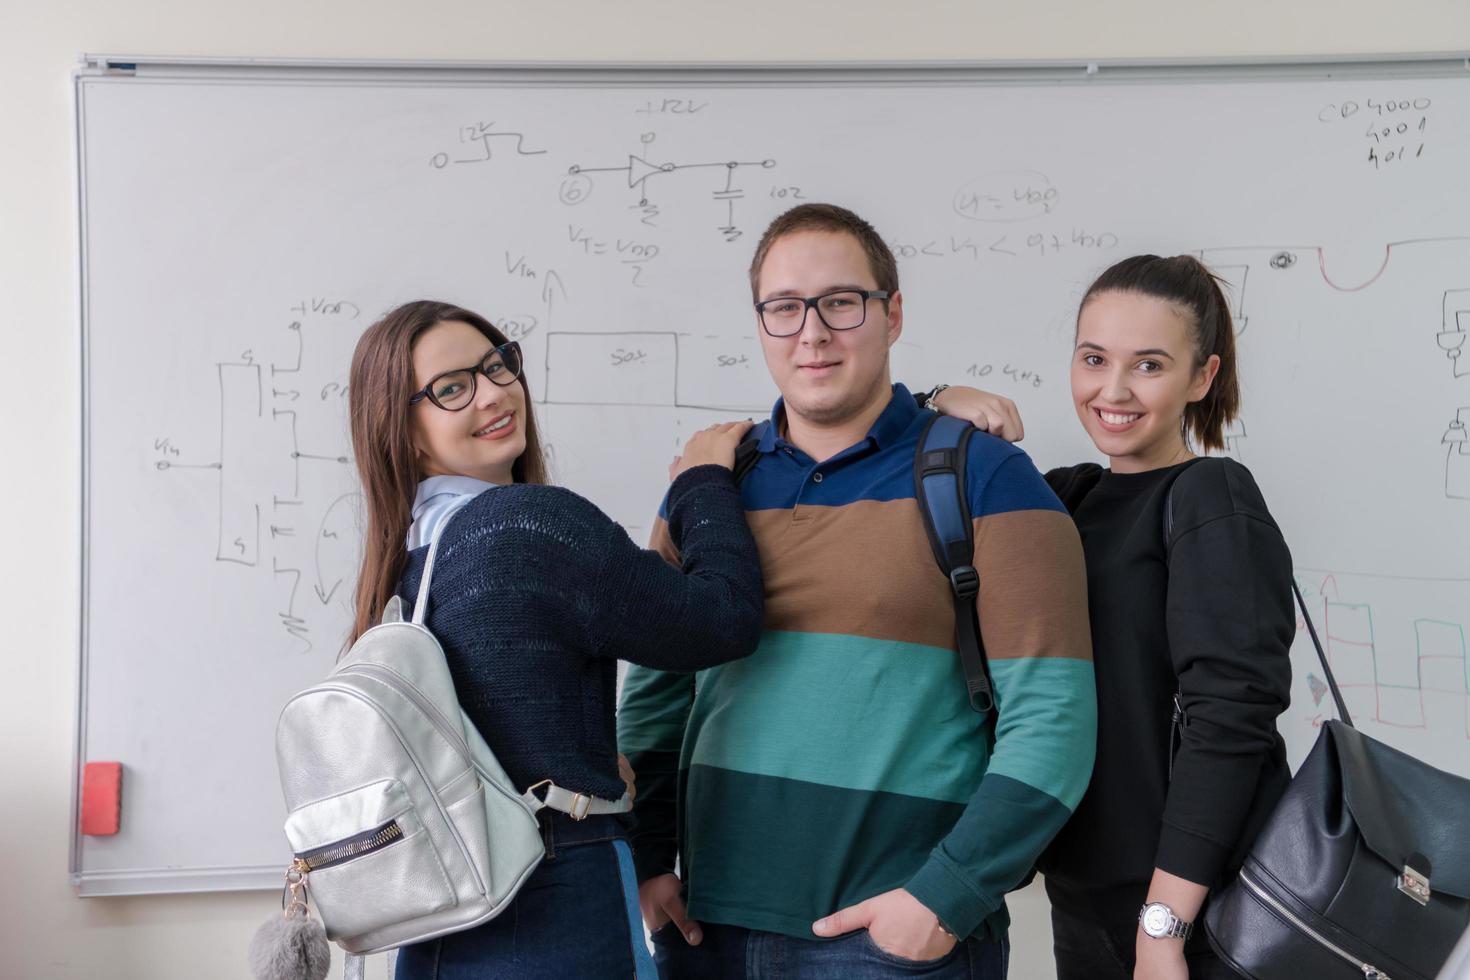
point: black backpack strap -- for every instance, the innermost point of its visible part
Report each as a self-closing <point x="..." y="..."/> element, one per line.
<point x="939" y="485"/>
<point x="1179" y="720"/>
<point x="1179" y="717"/>
<point x="748" y="452"/>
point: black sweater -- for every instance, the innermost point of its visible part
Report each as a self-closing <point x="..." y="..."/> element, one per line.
<point x="1208" y="615"/>
<point x="537" y="594"/>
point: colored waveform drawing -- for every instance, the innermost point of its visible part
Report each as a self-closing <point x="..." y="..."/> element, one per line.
<point x="1437" y="694"/>
<point x="1455" y="323"/>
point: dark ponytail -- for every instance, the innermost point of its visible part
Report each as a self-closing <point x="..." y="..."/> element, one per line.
<point x="1188" y="283"/>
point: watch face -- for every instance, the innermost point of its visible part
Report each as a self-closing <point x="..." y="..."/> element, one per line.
<point x="1156" y="920"/>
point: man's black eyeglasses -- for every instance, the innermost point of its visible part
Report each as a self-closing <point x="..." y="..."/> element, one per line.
<point x="841" y="309"/>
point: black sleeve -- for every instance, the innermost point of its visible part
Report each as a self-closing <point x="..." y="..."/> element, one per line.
<point x="1230" y="625"/>
<point x="706" y="613"/>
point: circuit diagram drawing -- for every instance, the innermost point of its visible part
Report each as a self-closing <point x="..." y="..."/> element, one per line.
<point x="270" y="478"/>
<point x="1454" y="328"/>
<point x="1456" y="441"/>
<point x="1234" y="435"/>
<point x="639" y="170"/>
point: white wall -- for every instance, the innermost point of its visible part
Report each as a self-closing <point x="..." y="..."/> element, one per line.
<point x="46" y="932"/>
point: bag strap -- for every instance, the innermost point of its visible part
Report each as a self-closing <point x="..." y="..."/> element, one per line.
<point x="1342" y="711"/>
<point x="354" y="967"/>
<point x="578" y="806"/>
<point x="939" y="485"/>
<point x="421" y="603"/>
<point x="747" y="454"/>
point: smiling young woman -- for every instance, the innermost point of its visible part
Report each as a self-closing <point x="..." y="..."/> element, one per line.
<point x="536" y="595"/>
<point x="1200" y="623"/>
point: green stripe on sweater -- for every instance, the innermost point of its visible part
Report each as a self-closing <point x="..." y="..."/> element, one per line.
<point x="878" y="715"/>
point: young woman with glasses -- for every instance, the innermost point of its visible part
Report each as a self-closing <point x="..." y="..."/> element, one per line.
<point x="536" y="596"/>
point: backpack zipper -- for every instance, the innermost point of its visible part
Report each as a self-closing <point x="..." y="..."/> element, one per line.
<point x="352" y="847"/>
<point x="1369" y="971"/>
<point x="443" y="814"/>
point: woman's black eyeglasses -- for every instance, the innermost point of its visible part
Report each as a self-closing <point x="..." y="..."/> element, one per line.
<point x="453" y="390"/>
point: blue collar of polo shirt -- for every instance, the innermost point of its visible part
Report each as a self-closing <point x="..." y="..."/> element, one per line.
<point x="890" y="425"/>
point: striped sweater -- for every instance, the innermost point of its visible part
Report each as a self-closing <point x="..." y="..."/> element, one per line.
<point x="842" y="759"/>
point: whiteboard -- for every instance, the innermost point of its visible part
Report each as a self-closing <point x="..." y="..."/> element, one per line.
<point x="242" y="224"/>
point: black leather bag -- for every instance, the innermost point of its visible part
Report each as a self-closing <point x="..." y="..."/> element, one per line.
<point x="1362" y="871"/>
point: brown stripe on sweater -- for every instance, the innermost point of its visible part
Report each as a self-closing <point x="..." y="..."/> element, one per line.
<point x="866" y="569"/>
<point x="862" y="569"/>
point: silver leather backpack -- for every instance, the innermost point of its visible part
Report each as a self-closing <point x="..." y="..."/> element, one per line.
<point x="403" y="824"/>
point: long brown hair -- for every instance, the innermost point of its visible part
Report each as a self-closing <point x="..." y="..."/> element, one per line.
<point x="1194" y="290"/>
<point x="382" y="440"/>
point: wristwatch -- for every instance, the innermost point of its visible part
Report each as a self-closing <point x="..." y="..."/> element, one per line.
<point x="929" y="398"/>
<point x="1160" y="922"/>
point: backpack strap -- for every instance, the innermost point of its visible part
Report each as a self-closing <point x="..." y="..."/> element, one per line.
<point x="748" y="453"/>
<point x="578" y="806"/>
<point x="354" y="967"/>
<point x="939" y="484"/>
<point x="1181" y="718"/>
<point x="421" y="602"/>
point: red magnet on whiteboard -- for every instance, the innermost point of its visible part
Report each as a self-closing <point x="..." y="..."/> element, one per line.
<point x="101" y="798"/>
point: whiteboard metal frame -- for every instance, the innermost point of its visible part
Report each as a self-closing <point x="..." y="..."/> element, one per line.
<point x="95" y="67"/>
<point x="761" y="74"/>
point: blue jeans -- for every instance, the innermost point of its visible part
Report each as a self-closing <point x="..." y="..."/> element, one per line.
<point x="733" y="953"/>
<point x="576" y="916"/>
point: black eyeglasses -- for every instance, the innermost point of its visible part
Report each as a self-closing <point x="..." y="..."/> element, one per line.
<point x="841" y="309"/>
<point x="453" y="390"/>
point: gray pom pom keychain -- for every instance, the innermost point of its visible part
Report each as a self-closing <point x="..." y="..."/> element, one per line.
<point x="293" y="944"/>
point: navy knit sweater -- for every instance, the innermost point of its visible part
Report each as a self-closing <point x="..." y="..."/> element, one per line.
<point x="537" y="594"/>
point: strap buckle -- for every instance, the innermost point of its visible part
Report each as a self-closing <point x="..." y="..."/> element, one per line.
<point x="965" y="581"/>
<point x="938" y="461"/>
<point x="579" y="806"/>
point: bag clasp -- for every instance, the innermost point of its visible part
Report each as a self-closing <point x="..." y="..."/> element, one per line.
<point x="1414" y="885"/>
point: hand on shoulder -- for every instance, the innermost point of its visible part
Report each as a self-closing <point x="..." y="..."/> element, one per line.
<point x="715" y="445"/>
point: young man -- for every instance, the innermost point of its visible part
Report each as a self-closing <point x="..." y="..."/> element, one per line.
<point x="837" y="806"/>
